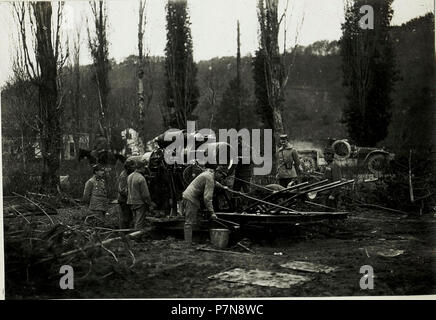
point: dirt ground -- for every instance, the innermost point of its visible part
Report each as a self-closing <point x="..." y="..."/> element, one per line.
<point x="165" y="267"/>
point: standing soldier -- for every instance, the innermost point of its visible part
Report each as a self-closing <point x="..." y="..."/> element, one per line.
<point x="138" y="195"/>
<point x="199" y="191"/>
<point x="95" y="193"/>
<point x="126" y="216"/>
<point x="288" y="168"/>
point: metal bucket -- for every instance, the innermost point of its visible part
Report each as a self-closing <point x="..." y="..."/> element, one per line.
<point x="219" y="237"/>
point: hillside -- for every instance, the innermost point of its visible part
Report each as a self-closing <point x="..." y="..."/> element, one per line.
<point x="314" y="94"/>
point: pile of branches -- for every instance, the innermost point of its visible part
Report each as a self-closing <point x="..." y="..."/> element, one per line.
<point x="34" y="204"/>
<point x="407" y="188"/>
<point x="411" y="185"/>
<point x="36" y="248"/>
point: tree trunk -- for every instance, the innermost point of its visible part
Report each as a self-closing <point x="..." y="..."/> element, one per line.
<point x="99" y="52"/>
<point x="278" y="121"/>
<point x="269" y="22"/>
<point x="49" y="111"/>
<point x="141" y="104"/>
<point x="238" y="76"/>
<point x="76" y="104"/>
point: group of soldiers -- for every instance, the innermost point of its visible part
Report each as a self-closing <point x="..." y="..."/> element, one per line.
<point x="136" y="203"/>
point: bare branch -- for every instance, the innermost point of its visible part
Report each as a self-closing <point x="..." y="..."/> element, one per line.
<point x="294" y="54"/>
<point x="20" y="11"/>
<point x="284" y="12"/>
<point x="57" y="29"/>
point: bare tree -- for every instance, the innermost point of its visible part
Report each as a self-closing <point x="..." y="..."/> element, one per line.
<point x="19" y="97"/>
<point x="76" y="112"/>
<point x="99" y="47"/>
<point x="211" y="94"/>
<point x="39" y="60"/>
<point x="182" y="92"/>
<point x="273" y="68"/>
<point x="141" y="27"/>
<point x="238" y="75"/>
<point x="145" y="69"/>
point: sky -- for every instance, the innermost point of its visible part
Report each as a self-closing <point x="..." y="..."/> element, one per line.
<point x="213" y="26"/>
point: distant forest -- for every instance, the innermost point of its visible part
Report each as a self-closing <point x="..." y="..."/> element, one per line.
<point x="313" y="102"/>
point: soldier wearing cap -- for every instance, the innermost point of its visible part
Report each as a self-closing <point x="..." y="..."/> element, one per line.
<point x="200" y="191"/>
<point x="126" y="215"/>
<point x="288" y="162"/>
<point x="138" y="195"/>
<point x="95" y="193"/>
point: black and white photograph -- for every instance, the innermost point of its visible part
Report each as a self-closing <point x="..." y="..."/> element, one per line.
<point x="218" y="149"/>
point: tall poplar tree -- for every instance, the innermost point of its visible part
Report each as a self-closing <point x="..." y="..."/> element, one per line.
<point x="99" y="47"/>
<point x="182" y="92"/>
<point x="369" y="71"/>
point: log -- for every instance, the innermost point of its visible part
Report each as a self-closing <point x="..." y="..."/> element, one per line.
<point x="224" y="251"/>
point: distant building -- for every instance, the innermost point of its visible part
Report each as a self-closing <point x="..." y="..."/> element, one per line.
<point x="69" y="150"/>
<point x="12" y="147"/>
<point x="132" y="143"/>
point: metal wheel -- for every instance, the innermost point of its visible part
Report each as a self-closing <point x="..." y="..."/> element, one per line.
<point x="308" y="164"/>
<point x="377" y="163"/>
<point x="341" y="149"/>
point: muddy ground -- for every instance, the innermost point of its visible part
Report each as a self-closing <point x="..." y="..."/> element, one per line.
<point x="165" y="267"/>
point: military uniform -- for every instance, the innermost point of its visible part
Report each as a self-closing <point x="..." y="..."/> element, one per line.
<point x="199" y="190"/>
<point x="288" y="165"/>
<point x="126" y="216"/>
<point x="138" y="197"/>
<point x="95" y="195"/>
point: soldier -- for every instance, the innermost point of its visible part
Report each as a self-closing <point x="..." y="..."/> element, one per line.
<point x="138" y="195"/>
<point x="199" y="191"/>
<point x="95" y="193"/>
<point x="126" y="216"/>
<point x="288" y="168"/>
